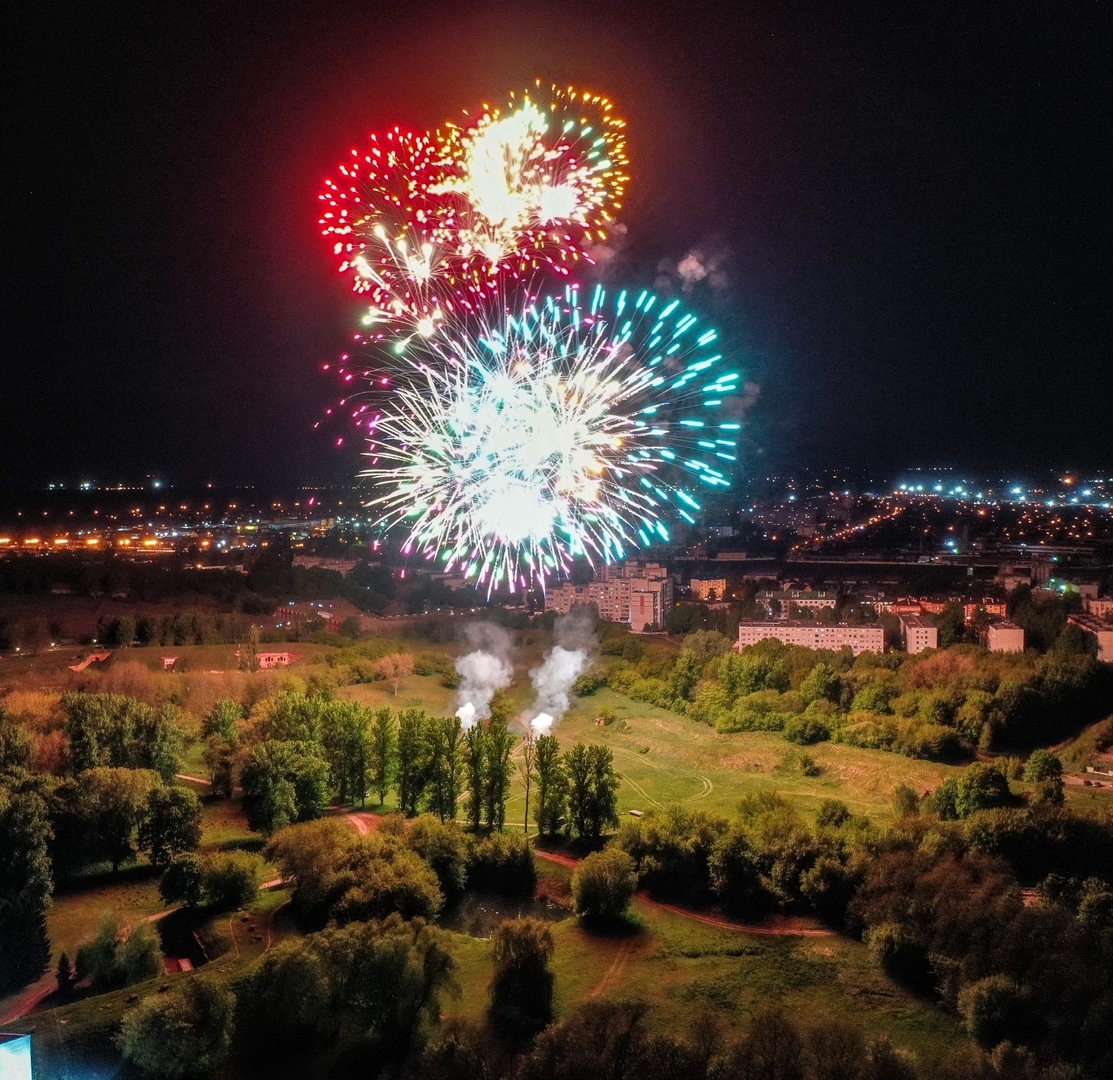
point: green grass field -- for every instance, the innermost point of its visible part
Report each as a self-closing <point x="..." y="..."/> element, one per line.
<point x="691" y="973"/>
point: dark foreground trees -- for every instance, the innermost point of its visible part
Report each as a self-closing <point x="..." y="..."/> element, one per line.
<point x="522" y="986"/>
<point x="185" y="1033"/>
<point x="25" y="886"/>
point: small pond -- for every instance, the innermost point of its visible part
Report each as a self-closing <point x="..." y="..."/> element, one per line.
<point x="477" y="914"/>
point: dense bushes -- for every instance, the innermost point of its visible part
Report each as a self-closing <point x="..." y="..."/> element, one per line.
<point x="939" y="705"/>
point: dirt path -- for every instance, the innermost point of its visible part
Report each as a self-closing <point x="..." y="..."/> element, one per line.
<point x="29" y="999"/>
<point x="362" y="821"/>
<point x="784" y="926"/>
<point x="614" y="972"/>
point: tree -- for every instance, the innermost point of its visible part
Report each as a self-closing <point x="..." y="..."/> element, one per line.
<point x="951" y="623"/>
<point x="592" y="790"/>
<point x="185" y="1033"/>
<point x="528" y="768"/>
<point x="823" y="684"/>
<point x="413" y="758"/>
<point x="382" y="751"/>
<point x="25" y="887"/>
<point x="16" y="745"/>
<point x="771" y="1050"/>
<point x="994" y="1008"/>
<point x="394" y="668"/>
<point x="384" y="980"/>
<point x="446" y="753"/>
<point x="181" y="882"/>
<point x="604" y="884"/>
<point x="64" y="975"/>
<point x="499" y="743"/>
<point x="221" y="730"/>
<point x="347" y="877"/>
<point x="475" y="772"/>
<point x="284" y="1001"/>
<point x="116" y="957"/>
<point x="114" y="802"/>
<point x="735" y="872"/>
<point x="171" y="826"/>
<point x="110" y="731"/>
<point x="284" y="782"/>
<point x="230" y="879"/>
<point x="685" y="674"/>
<point x="522" y="985"/>
<point x="443" y="845"/>
<point x="345" y="734"/>
<point x="981" y="787"/>
<point x="552" y="785"/>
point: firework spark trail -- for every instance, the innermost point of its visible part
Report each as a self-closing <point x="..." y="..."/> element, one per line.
<point x="566" y="429"/>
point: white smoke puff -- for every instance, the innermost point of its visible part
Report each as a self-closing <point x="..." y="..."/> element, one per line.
<point x="542" y="724"/>
<point x="576" y="630"/>
<point x="552" y="681"/>
<point x="483" y="671"/>
<point x="692" y="270"/>
<point x="698" y="265"/>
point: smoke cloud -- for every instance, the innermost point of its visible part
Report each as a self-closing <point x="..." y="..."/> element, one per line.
<point x="566" y="662"/>
<point x="483" y="671"/>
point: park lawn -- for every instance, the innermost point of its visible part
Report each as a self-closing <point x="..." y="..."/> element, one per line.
<point x="192" y="658"/>
<point x="423" y="691"/>
<point x="664" y="757"/>
<point x="224" y="826"/>
<point x="78" y="1039"/>
<point x="688" y="972"/>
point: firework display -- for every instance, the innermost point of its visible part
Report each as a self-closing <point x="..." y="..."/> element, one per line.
<point x="552" y="433"/>
<point x="511" y="428"/>
<point x="428" y="224"/>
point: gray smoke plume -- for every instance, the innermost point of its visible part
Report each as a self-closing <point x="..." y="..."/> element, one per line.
<point x="483" y="671"/>
<point x="565" y="663"/>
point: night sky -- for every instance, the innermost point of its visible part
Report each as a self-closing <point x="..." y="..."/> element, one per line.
<point x="909" y="204"/>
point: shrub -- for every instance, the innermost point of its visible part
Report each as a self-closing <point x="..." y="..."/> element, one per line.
<point x="929" y="742"/>
<point x="1043" y="765"/>
<point x="832" y="814"/>
<point x="231" y="879"/>
<point x="603" y="885"/>
<point x="502" y="862"/>
<point x="182" y="881"/>
<point x="804" y="731"/>
<point x="444" y="846"/>
<point x="116" y="958"/>
<point x="993" y="1010"/>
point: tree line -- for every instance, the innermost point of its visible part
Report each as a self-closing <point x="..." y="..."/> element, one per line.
<point x="940" y="705"/>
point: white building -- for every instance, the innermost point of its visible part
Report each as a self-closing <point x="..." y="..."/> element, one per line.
<point x="634" y="593"/>
<point x="858" y="639"/>
<point x="1102" y="608"/>
<point x="1004" y="636"/>
<point x="1100" y="630"/>
<point x="709" y="588"/>
<point x="918" y="633"/>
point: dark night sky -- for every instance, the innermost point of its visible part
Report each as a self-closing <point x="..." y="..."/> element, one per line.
<point x="912" y="205"/>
